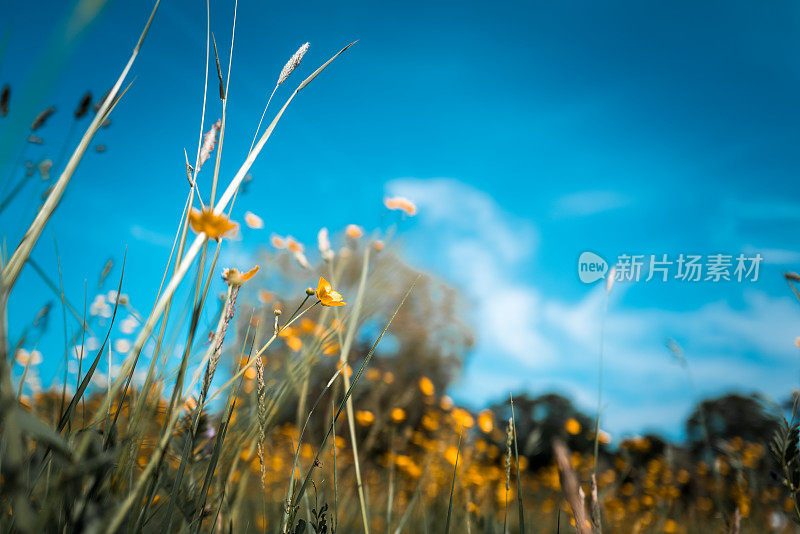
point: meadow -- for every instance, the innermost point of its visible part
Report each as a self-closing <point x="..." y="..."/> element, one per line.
<point x="314" y="399"/>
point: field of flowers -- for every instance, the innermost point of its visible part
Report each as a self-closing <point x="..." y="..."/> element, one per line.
<point x="314" y="400"/>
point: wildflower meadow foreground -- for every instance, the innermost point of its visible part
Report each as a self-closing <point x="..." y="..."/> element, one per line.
<point x="303" y="388"/>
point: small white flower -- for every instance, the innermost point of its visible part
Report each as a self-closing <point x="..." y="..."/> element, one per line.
<point x="122" y="346"/>
<point x="301" y="259"/>
<point x="324" y="243"/>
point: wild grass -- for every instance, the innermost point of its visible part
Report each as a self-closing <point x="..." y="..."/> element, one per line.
<point x="220" y="435"/>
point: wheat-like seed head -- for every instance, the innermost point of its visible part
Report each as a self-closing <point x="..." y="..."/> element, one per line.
<point x="261" y="399"/>
<point x="509" y="437"/>
<point x="219" y="339"/>
<point x="209" y="142"/>
<point x="5" y="97"/>
<point x="293" y="63"/>
<point x="41" y="118"/>
<point x="83" y="105"/>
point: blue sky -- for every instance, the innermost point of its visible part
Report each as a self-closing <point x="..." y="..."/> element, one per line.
<point x="526" y="132"/>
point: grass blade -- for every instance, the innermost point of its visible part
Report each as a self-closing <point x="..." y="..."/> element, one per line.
<point x="519" y="484"/>
<point x="453" y="485"/>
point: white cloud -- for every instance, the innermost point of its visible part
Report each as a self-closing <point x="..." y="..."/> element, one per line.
<point x="482" y="246"/>
<point x="531" y="337"/>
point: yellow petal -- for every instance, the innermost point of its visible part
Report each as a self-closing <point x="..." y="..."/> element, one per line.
<point x="249" y="274"/>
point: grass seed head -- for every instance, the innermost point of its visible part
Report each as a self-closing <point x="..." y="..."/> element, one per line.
<point x="293" y="63"/>
<point x="84" y="105"/>
<point x="5" y="98"/>
<point x="41" y="118"/>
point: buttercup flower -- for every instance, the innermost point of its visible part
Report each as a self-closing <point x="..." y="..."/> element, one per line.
<point x="235" y="278"/>
<point x="462" y="418"/>
<point x="327" y="295"/>
<point x="346" y="369"/>
<point x="402" y="204"/>
<point x="213" y="225"/>
<point x="572" y="426"/>
<point x="354" y="231"/>
<point x="277" y="241"/>
<point x="253" y="221"/>
<point x="365" y="417"/>
<point x="486" y="421"/>
<point x="294" y="246"/>
<point x="426" y="386"/>
<point x="294" y="343"/>
<point x="398" y="415"/>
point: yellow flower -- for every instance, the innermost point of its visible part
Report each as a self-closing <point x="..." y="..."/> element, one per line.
<point x="290" y="335"/>
<point x="293" y="245"/>
<point x="327" y="295"/>
<point x="354" y="231"/>
<point x="365" y="417"/>
<point x="486" y="421"/>
<point x="462" y="418"/>
<point x="209" y="223"/>
<point x="402" y="204"/>
<point x="348" y="371"/>
<point x="426" y="386"/>
<point x="234" y="278"/>
<point x="277" y="241"/>
<point x="451" y="454"/>
<point x="294" y="343"/>
<point x="253" y="221"/>
<point x="330" y="349"/>
<point x="572" y="426"/>
<point x="398" y="415"/>
<point x="430" y="422"/>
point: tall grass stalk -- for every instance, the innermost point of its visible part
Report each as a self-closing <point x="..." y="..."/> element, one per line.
<point x="290" y="501"/>
<point x="571" y="487"/>
<point x="453" y="485"/>
<point x="520" y="507"/>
